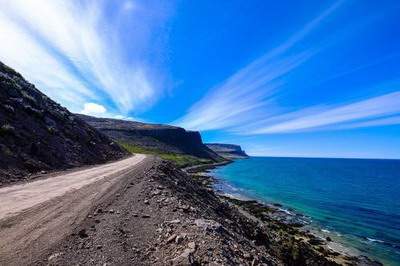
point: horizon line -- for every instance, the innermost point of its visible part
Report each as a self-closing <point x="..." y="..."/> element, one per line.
<point x="312" y="157"/>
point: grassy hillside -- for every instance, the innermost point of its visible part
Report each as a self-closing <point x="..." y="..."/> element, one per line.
<point x="181" y="160"/>
<point x="162" y="138"/>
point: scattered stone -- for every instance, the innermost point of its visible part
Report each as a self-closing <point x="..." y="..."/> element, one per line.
<point x="99" y="246"/>
<point x="111" y="211"/>
<point x="208" y="225"/>
<point x="328" y="239"/>
<point x="156" y="192"/>
<point x="185" y="258"/>
<point x="171" y="238"/>
<point x="145" y="216"/>
<point x="146" y="202"/>
<point x="316" y="241"/>
<point x="179" y="239"/>
<point x="82" y="233"/>
<point x="9" y="108"/>
<point x="122" y="231"/>
<point x="176" y="221"/>
<point x="247" y="256"/>
<point x="185" y="208"/>
<point x="54" y="256"/>
<point x="192" y="245"/>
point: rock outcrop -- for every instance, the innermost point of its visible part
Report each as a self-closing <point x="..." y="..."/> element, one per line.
<point x="228" y="151"/>
<point x="154" y="136"/>
<point x="37" y="134"/>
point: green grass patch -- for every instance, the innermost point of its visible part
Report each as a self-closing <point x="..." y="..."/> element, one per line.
<point x="181" y="160"/>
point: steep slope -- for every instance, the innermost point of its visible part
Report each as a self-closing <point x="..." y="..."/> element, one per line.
<point x="38" y="134"/>
<point x="154" y="136"/>
<point x="228" y="151"/>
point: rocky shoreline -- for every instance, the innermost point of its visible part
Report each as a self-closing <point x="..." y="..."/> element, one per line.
<point x="277" y="219"/>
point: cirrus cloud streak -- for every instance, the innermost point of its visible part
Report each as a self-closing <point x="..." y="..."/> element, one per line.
<point x="72" y="51"/>
<point x="248" y="94"/>
<point x="376" y="111"/>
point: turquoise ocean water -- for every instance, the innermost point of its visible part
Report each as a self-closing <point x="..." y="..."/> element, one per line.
<point x="356" y="201"/>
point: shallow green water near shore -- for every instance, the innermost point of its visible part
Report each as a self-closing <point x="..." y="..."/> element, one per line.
<point x="356" y="201"/>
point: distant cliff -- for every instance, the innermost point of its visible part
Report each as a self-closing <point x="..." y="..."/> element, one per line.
<point x="38" y="134"/>
<point x="154" y="136"/>
<point x="228" y="151"/>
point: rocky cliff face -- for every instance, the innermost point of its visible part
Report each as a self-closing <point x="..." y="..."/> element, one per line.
<point x="38" y="134"/>
<point x="162" y="137"/>
<point x="228" y="151"/>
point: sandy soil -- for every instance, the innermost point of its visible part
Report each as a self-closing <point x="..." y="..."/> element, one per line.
<point x="35" y="215"/>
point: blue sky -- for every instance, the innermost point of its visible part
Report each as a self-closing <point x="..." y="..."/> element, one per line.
<point x="281" y="78"/>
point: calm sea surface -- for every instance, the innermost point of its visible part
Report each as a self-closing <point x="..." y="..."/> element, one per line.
<point x="357" y="201"/>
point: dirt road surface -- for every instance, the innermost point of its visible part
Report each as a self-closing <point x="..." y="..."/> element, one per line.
<point x="35" y="215"/>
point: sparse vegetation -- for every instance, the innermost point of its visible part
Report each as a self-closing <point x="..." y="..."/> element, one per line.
<point x="51" y="130"/>
<point x="6" y="129"/>
<point x="6" y="151"/>
<point x="28" y="97"/>
<point x="181" y="160"/>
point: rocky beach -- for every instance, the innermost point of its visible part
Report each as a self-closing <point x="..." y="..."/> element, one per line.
<point x="288" y="231"/>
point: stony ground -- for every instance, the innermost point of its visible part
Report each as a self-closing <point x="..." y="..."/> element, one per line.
<point x="162" y="216"/>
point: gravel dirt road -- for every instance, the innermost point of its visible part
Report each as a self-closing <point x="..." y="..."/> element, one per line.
<point x="35" y="215"/>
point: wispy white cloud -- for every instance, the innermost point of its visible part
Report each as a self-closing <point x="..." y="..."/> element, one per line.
<point x="93" y="109"/>
<point x="129" y="5"/>
<point x="71" y="50"/>
<point x="98" y="110"/>
<point x="238" y="98"/>
<point x="376" y="111"/>
<point x="385" y="121"/>
<point x="245" y="96"/>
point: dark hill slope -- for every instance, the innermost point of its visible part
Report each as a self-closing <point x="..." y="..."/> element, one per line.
<point x="38" y="134"/>
<point x="154" y="136"/>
